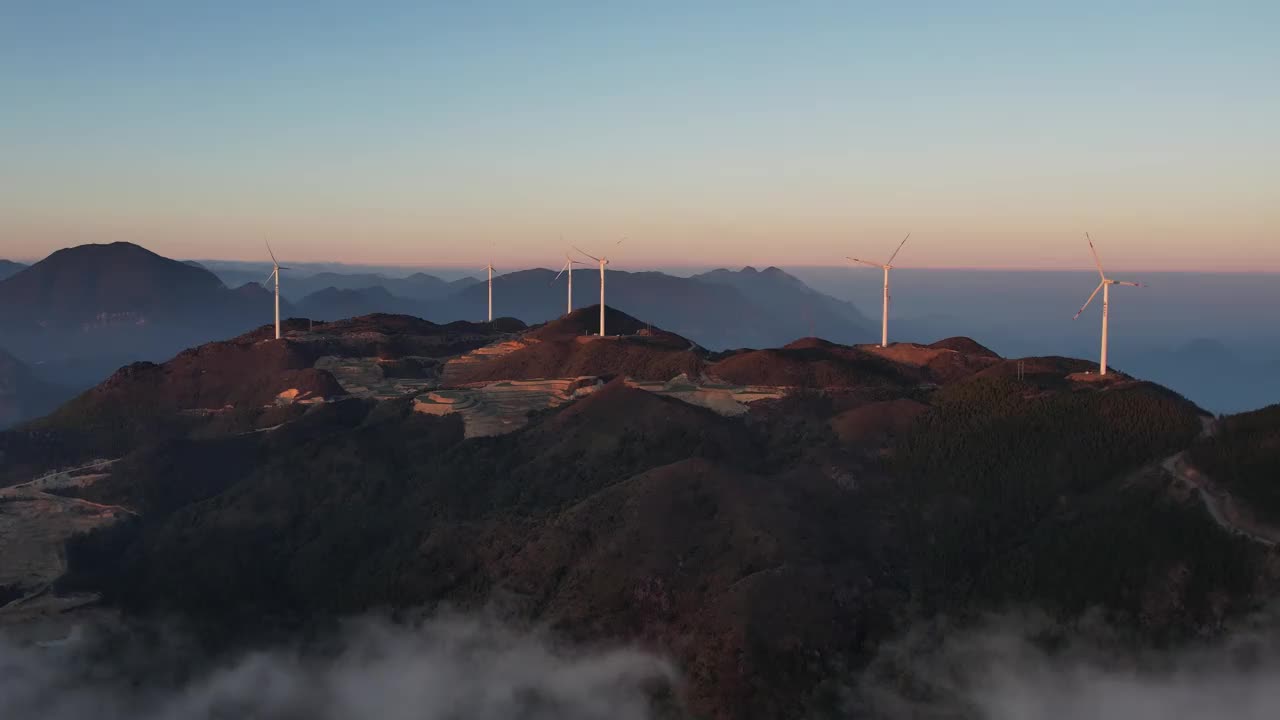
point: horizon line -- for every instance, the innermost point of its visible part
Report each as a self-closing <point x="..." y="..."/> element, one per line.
<point x="733" y="267"/>
<point x="708" y="266"/>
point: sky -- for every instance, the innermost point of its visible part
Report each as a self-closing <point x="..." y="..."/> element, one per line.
<point x="440" y="133"/>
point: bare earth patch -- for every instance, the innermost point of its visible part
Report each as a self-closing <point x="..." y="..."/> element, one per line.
<point x="35" y="526"/>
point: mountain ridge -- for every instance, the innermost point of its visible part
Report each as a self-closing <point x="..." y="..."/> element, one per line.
<point x="765" y="546"/>
<point x="9" y="267"/>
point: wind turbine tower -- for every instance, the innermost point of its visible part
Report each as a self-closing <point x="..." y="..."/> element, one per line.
<point x="276" y="267"/>
<point x="884" y="314"/>
<point x="1105" y="287"/>
<point x="489" y="269"/>
<point x="569" y="262"/>
<point x="603" y="261"/>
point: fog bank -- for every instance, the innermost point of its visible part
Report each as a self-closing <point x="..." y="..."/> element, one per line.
<point x="453" y="668"/>
<point x="1023" y="669"/>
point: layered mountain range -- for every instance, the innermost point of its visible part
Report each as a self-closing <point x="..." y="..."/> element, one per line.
<point x="767" y="518"/>
<point x="83" y="312"/>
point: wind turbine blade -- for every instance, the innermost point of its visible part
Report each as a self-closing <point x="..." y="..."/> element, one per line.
<point x="584" y="252"/>
<point x="557" y="277"/>
<point x="624" y="237"/>
<point x="271" y="275"/>
<point x="272" y="254"/>
<point x="1091" y="297"/>
<point x="865" y="262"/>
<point x="1096" y="260"/>
<point x="895" y="252"/>
<point x="1130" y="284"/>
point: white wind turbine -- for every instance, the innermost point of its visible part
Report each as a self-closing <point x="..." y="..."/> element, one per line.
<point x="884" y="316"/>
<point x="489" y="269"/>
<point x="603" y="261"/>
<point x="1105" y="287"/>
<point x="276" y="267"/>
<point x="569" y="262"/>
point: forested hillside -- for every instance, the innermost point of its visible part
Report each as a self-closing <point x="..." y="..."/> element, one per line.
<point x="1244" y="457"/>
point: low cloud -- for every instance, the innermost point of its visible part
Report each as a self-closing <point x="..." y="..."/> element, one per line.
<point x="1024" y="668"/>
<point x="445" y="668"/>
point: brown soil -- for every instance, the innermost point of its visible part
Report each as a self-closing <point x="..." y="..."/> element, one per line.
<point x="638" y="357"/>
<point x="877" y="422"/>
<point x="813" y="365"/>
<point x="967" y="346"/>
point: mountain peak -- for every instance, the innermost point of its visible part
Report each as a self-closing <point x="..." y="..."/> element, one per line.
<point x="586" y="321"/>
<point x="79" y="283"/>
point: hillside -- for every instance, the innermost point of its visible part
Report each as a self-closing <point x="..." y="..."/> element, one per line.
<point x="568" y="347"/>
<point x="807" y="364"/>
<point x="547" y="512"/>
<point x="769" y="552"/>
<point x="248" y="382"/>
<point x="1243" y="457"/>
<point x="763" y="555"/>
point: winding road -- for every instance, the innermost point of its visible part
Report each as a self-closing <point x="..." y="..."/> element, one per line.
<point x="1230" y="514"/>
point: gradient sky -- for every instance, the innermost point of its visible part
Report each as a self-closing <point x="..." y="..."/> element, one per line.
<point x="718" y="133"/>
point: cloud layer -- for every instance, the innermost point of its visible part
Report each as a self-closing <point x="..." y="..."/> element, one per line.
<point x="454" y="668"/>
<point x="1024" y="669"/>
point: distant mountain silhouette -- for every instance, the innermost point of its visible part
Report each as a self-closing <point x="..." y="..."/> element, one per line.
<point x="87" y="310"/>
<point x="334" y="303"/>
<point x="750" y="309"/>
<point x="789" y="299"/>
<point x="1216" y="371"/>
<point x="9" y="267"/>
<point x="304" y="280"/>
<point x="719" y="309"/>
<point x="24" y="395"/>
<point x="106" y="283"/>
<point x="418" y="286"/>
<point x="260" y="296"/>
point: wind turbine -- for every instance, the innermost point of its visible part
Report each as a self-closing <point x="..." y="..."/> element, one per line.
<point x="884" y="316"/>
<point x="489" y="268"/>
<point x="1105" y="287"/>
<point x="603" y="261"/>
<point x="276" y="267"/>
<point x="569" y="262"/>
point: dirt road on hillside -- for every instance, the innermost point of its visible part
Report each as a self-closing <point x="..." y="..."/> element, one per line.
<point x="1229" y="513"/>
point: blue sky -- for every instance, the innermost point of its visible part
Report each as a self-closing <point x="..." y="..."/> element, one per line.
<point x="726" y="133"/>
